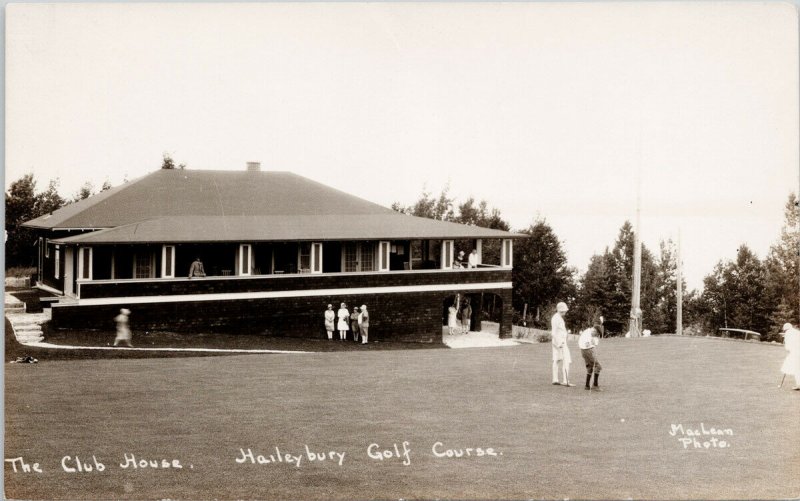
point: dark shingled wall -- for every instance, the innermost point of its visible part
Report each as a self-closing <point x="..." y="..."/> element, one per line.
<point x="415" y="316"/>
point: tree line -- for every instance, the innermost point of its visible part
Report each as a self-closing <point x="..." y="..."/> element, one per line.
<point x="746" y="292"/>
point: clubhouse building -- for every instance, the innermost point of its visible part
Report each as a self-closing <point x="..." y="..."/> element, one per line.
<point x="276" y="249"/>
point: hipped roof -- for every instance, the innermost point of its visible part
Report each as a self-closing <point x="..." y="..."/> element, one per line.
<point x="241" y="206"/>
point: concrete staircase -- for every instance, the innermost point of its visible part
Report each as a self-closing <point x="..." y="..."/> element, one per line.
<point x="27" y="327"/>
<point x="28" y="331"/>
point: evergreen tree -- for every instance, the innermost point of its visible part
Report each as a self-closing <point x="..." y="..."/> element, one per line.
<point x="167" y="162"/>
<point x="746" y="279"/>
<point x="442" y="208"/>
<point x="597" y="285"/>
<point x="780" y="315"/>
<point x="606" y="289"/>
<point x="783" y="265"/>
<point x="49" y="200"/>
<point x="85" y="191"/>
<point x="20" y="207"/>
<point x="541" y="276"/>
<point x="663" y="317"/>
<point x="734" y="294"/>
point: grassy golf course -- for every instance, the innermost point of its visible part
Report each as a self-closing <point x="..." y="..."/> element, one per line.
<point x="224" y="419"/>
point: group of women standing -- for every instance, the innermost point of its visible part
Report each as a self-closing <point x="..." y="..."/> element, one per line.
<point x="357" y="322"/>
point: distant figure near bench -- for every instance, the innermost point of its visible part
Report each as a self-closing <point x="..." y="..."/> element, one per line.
<point x="196" y="269"/>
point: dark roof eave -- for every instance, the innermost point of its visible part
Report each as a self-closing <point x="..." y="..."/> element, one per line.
<point x="71" y="241"/>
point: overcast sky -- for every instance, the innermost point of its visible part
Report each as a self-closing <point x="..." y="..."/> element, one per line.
<point x="542" y="109"/>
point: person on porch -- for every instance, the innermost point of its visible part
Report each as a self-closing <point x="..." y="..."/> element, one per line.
<point x="472" y="261"/>
<point x="196" y="270"/>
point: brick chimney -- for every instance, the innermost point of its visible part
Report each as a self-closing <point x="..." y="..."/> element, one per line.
<point x="253" y="166"/>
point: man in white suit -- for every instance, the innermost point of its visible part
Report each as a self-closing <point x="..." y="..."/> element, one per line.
<point x="561" y="356"/>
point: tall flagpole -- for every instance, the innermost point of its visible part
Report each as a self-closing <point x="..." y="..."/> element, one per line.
<point x="636" y="311"/>
<point x="635" y="329"/>
<point x="679" y="320"/>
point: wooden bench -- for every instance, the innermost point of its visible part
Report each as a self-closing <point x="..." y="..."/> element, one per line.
<point x="743" y="332"/>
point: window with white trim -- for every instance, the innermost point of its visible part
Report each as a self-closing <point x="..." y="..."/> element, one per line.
<point x="84" y="263"/>
<point x="507" y="254"/>
<point x="304" y="257"/>
<point x="168" y="261"/>
<point x="350" y="256"/>
<point x="58" y="262"/>
<point x="245" y="259"/>
<point x="358" y="256"/>
<point x="367" y="258"/>
<point x="316" y="257"/>
<point x="46" y="247"/>
<point x="144" y="264"/>
<point x="447" y="254"/>
<point x="383" y="256"/>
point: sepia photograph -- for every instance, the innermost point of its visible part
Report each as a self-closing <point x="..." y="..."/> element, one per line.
<point x="402" y="250"/>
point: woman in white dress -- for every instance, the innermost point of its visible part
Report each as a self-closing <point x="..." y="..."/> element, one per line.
<point x="330" y="316"/>
<point x="344" y="318"/>
<point x="451" y="319"/>
<point x="791" y="342"/>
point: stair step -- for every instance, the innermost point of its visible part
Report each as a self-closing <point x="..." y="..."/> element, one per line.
<point x="27" y="331"/>
<point x="26" y="325"/>
<point x="29" y="334"/>
<point x="36" y="339"/>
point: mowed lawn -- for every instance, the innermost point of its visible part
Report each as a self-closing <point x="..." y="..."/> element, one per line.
<point x="549" y="441"/>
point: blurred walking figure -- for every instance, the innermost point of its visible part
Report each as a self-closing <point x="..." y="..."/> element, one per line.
<point x="791" y="365"/>
<point x="123" y="328"/>
<point x="561" y="356"/>
<point x="344" y="318"/>
<point x="363" y="324"/>
<point x="330" y="316"/>
<point x="587" y="341"/>
<point x="354" y="323"/>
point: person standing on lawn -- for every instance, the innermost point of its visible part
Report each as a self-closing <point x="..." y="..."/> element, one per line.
<point x="354" y="323"/>
<point x="561" y="356"/>
<point x="363" y="324"/>
<point x="587" y="341"/>
<point x="123" y="328"/>
<point x="344" y="318"/>
<point x="791" y="341"/>
<point x="330" y="316"/>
